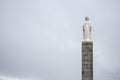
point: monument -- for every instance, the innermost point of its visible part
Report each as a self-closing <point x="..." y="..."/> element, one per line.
<point x="87" y="52"/>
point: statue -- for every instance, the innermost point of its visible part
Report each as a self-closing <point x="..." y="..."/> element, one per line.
<point x="87" y="30"/>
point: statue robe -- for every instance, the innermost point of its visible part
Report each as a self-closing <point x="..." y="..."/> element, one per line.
<point x="87" y="31"/>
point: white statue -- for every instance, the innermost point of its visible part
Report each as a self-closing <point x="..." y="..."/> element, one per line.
<point x="87" y="30"/>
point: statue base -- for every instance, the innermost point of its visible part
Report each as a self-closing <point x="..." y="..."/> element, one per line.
<point x="87" y="60"/>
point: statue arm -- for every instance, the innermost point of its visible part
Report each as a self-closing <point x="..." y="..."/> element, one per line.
<point x="83" y="32"/>
<point x="83" y="28"/>
<point x="90" y="28"/>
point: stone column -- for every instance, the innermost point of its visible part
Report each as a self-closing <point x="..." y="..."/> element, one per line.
<point x="87" y="60"/>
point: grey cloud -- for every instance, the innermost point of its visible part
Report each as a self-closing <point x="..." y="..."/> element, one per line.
<point x="42" y="39"/>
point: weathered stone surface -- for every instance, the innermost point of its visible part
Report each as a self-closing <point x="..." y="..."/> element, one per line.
<point x="87" y="61"/>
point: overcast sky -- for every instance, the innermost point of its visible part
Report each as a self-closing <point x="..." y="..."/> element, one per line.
<point x="41" y="39"/>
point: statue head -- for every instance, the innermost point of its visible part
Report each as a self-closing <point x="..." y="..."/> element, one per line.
<point x="86" y="18"/>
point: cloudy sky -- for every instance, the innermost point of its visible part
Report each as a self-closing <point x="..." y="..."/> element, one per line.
<point x="41" y="39"/>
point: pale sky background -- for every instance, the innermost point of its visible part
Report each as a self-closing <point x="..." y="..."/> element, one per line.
<point x="41" y="39"/>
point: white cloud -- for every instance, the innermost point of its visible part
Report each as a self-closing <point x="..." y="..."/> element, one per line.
<point x="11" y="78"/>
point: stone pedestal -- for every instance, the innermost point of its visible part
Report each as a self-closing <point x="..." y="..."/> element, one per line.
<point x="87" y="61"/>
